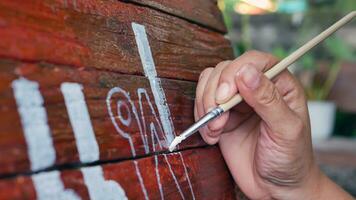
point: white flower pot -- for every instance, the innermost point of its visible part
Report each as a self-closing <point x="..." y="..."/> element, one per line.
<point x="322" y="119"/>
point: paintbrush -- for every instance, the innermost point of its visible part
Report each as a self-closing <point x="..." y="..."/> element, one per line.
<point x="275" y="70"/>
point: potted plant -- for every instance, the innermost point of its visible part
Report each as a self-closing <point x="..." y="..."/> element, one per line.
<point x="318" y="75"/>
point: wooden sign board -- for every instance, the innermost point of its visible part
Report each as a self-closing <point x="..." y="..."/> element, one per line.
<point x="93" y="91"/>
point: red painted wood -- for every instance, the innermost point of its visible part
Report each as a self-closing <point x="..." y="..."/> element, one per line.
<point x="13" y="150"/>
<point x="98" y="34"/>
<point x="207" y="173"/>
<point x="91" y="42"/>
<point x="203" y="12"/>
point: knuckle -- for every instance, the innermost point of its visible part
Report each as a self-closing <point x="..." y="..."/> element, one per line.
<point x="269" y="95"/>
<point x="205" y="71"/>
<point x="253" y="53"/>
<point x="223" y="64"/>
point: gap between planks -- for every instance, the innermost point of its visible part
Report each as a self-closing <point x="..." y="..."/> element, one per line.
<point x="78" y="165"/>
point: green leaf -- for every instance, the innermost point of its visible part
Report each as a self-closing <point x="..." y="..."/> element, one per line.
<point x="308" y="62"/>
<point x="338" y="49"/>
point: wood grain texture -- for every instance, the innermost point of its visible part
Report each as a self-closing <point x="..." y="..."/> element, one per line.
<point x="98" y="34"/>
<point x="79" y="118"/>
<point x="207" y="173"/>
<point x="203" y="12"/>
<point x="96" y="85"/>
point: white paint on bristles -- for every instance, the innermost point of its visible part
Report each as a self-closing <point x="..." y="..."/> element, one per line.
<point x="160" y="100"/>
<point x="114" y="95"/>
<point x="141" y="92"/>
<point x="48" y="185"/>
<point x="34" y="123"/>
<point x="88" y="148"/>
<point x="150" y="72"/>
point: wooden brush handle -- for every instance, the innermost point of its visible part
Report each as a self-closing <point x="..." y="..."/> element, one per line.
<point x="283" y="64"/>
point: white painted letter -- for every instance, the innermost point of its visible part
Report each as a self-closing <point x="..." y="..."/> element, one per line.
<point x="150" y="72"/>
<point x="88" y="148"/>
<point x="34" y="123"/>
<point x="41" y="152"/>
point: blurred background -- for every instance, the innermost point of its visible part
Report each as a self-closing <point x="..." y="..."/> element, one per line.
<point x="328" y="72"/>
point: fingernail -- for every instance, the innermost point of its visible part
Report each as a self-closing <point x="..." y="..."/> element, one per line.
<point x="222" y="92"/>
<point x="250" y="76"/>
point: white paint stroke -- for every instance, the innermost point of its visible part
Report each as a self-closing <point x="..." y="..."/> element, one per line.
<point x="113" y="118"/>
<point x="139" y="176"/>
<point x="99" y="188"/>
<point x="34" y="122"/>
<point x="140" y="92"/>
<point x="143" y="93"/>
<point x="88" y="148"/>
<point x="187" y="175"/>
<point x="150" y="72"/>
<point x="80" y="120"/>
<point x="48" y="186"/>
<point x="118" y="90"/>
<point x="173" y="176"/>
<point x="158" y="177"/>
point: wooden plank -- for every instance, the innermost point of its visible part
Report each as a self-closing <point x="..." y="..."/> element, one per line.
<point x="109" y="133"/>
<point x="198" y="173"/>
<point x="203" y="12"/>
<point x="98" y="34"/>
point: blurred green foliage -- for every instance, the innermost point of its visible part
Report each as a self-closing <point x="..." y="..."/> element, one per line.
<point x="325" y="59"/>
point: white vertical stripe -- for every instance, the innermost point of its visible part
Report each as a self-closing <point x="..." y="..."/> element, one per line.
<point x="98" y="187"/>
<point x="41" y="152"/>
<point x="49" y="186"/>
<point x="150" y="72"/>
<point x="34" y="122"/>
<point x="79" y="118"/>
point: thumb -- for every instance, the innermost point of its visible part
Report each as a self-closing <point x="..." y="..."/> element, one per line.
<point x="263" y="96"/>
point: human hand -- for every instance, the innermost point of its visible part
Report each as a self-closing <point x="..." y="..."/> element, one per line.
<point x="265" y="140"/>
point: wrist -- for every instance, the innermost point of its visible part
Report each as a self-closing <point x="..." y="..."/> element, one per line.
<point x="317" y="186"/>
<point x="309" y="188"/>
<point x="312" y="185"/>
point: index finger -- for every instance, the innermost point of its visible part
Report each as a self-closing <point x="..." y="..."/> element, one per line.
<point x="262" y="61"/>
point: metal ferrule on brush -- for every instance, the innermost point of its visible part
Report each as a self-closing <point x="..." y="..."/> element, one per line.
<point x="203" y="121"/>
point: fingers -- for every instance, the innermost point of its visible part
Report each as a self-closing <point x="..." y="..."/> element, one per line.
<point x="203" y="79"/>
<point x="215" y="126"/>
<point x="199" y="107"/>
<point x="292" y="93"/>
<point x="261" y="60"/>
<point x="203" y="131"/>
<point x="264" y="97"/>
